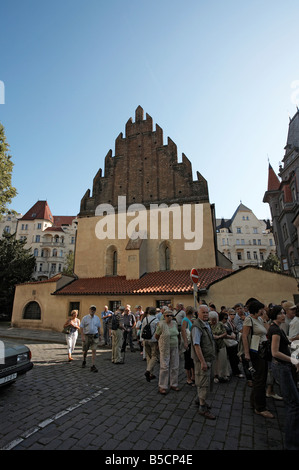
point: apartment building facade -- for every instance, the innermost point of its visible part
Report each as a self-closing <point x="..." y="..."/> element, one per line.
<point x="50" y="238"/>
<point x="244" y="239"/>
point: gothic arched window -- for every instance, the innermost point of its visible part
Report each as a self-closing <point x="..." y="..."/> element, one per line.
<point x="164" y="256"/>
<point x="111" y="261"/>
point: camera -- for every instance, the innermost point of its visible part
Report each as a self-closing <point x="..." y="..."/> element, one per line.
<point x="251" y="368"/>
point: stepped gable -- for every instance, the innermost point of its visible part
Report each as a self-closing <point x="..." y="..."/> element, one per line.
<point x="144" y="170"/>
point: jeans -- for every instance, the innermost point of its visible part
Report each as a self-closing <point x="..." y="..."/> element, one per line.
<point x="127" y="336"/>
<point x="106" y="332"/>
<point x="284" y="375"/>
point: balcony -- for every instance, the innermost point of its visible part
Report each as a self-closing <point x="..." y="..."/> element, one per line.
<point x="52" y="244"/>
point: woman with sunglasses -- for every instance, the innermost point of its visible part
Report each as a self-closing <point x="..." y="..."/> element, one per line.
<point x="167" y="334"/>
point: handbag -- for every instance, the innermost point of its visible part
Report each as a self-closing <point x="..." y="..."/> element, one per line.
<point x="229" y="342"/>
<point x="265" y="351"/>
<point x="66" y="330"/>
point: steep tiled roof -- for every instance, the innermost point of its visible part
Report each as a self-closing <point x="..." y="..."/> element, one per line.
<point x="160" y="282"/>
<point x="40" y="210"/>
<point x="63" y="220"/>
<point x="273" y="181"/>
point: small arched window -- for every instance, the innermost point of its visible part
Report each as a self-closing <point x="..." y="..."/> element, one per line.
<point x="32" y="311"/>
<point x="111" y="261"/>
<point x="114" y="268"/>
<point x="164" y="256"/>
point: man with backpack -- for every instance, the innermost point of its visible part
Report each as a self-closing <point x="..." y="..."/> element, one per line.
<point x="116" y="326"/>
<point x="148" y="329"/>
<point x="179" y="315"/>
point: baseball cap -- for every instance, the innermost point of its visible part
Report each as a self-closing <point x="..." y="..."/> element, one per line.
<point x="93" y="307"/>
<point x="121" y="308"/>
<point x="289" y="305"/>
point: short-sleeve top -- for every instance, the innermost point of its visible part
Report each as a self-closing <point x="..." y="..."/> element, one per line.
<point x="257" y="327"/>
<point x="173" y="332"/>
<point x="283" y="343"/>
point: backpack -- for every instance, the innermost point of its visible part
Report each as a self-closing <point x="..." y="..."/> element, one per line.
<point x="114" y="322"/>
<point x="147" y="332"/>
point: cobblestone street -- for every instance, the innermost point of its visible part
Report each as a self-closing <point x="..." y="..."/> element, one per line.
<point x="59" y="405"/>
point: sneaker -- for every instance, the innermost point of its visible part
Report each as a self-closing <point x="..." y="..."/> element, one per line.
<point x="274" y="395"/>
<point x="93" y="369"/>
<point x="83" y="364"/>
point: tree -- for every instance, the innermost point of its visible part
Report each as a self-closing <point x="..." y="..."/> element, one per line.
<point x="69" y="268"/>
<point x="16" y="266"/>
<point x="7" y="191"/>
<point x="272" y="263"/>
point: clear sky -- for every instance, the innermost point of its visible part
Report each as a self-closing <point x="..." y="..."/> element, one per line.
<point x="221" y="78"/>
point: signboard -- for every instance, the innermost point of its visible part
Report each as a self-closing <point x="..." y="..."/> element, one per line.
<point x="194" y="276"/>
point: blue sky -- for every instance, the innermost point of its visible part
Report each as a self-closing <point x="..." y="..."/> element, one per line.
<point x="216" y="75"/>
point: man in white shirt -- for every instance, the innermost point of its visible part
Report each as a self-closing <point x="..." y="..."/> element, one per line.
<point x="90" y="328"/>
<point x="290" y="310"/>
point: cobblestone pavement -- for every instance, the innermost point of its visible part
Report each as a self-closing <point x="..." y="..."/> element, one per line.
<point x="59" y="405"/>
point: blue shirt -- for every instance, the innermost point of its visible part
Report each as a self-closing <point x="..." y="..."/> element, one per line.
<point x="103" y="314"/>
<point x="90" y="324"/>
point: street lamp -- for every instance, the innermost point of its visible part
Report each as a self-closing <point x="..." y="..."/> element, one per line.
<point x="295" y="271"/>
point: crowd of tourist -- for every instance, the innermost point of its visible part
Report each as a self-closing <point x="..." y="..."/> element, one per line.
<point x="251" y="341"/>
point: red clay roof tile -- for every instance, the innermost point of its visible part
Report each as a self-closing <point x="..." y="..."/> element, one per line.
<point x="156" y="282"/>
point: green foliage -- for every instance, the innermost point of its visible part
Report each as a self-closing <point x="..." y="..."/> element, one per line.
<point x="69" y="268"/>
<point x="272" y="264"/>
<point x="7" y="191"/>
<point x="16" y="267"/>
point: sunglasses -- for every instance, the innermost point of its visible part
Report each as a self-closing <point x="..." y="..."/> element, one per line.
<point x="169" y="316"/>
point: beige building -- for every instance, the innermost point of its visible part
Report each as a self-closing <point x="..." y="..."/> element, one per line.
<point x="50" y="238"/>
<point x="9" y="223"/>
<point x="244" y="239"/>
<point x="143" y="227"/>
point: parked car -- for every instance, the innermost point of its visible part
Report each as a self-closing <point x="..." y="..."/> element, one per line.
<point x="15" y="359"/>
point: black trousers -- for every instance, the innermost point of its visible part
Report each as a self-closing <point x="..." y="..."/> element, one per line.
<point x="127" y="337"/>
<point x="259" y="382"/>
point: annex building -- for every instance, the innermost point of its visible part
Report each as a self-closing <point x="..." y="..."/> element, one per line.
<point x="140" y="230"/>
